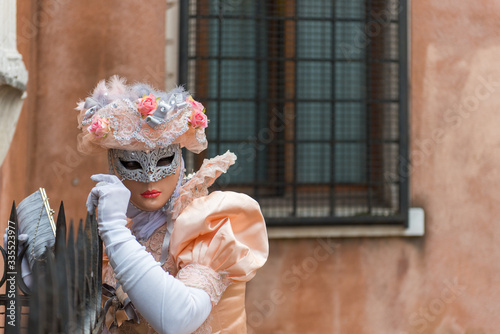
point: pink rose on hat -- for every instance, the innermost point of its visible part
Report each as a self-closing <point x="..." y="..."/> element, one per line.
<point x="99" y="127"/>
<point x="198" y="118"/>
<point x="197" y="106"/>
<point x="147" y="105"/>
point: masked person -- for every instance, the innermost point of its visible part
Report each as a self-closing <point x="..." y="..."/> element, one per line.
<point x="181" y="255"/>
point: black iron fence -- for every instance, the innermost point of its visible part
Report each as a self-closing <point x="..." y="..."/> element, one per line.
<point x="65" y="291"/>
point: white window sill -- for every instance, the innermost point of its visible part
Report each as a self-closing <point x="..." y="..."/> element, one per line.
<point x="416" y="228"/>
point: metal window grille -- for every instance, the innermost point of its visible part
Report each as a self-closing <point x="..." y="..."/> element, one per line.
<point x="312" y="98"/>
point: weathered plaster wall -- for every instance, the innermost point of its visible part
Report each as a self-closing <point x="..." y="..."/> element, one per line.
<point x="68" y="46"/>
<point x="446" y="282"/>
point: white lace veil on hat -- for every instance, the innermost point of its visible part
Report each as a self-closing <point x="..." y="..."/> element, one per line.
<point x="138" y="117"/>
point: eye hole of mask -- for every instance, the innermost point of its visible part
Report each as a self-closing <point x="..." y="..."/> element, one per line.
<point x="163" y="162"/>
<point x="131" y="165"/>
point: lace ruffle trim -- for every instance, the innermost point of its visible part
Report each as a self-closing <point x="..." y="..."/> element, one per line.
<point x="109" y="275"/>
<point x="198" y="185"/>
<point x="205" y="278"/>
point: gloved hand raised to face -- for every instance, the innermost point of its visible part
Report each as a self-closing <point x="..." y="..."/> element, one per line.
<point x="111" y="198"/>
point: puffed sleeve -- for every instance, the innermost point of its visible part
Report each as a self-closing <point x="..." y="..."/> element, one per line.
<point x="219" y="239"/>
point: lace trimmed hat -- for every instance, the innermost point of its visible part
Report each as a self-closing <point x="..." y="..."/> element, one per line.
<point x="138" y="117"/>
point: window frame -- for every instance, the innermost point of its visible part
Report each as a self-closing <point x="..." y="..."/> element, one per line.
<point x="402" y="218"/>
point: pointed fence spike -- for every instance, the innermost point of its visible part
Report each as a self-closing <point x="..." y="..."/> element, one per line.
<point x="60" y="244"/>
<point x="61" y="225"/>
<point x="13" y="223"/>
<point x="61" y="216"/>
<point x="72" y="260"/>
<point x="88" y="272"/>
<point x="94" y="267"/>
<point x="13" y="212"/>
<point x="35" y="317"/>
<point x="51" y="291"/>
<point x="99" y="268"/>
<point x="20" y="281"/>
<point x="82" y="270"/>
<point x="62" y="274"/>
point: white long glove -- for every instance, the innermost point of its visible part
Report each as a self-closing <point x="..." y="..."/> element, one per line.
<point x="167" y="304"/>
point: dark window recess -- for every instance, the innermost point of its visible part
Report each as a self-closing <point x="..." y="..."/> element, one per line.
<point x="312" y="97"/>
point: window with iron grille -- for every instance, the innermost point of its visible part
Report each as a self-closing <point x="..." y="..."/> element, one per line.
<point x="312" y="97"/>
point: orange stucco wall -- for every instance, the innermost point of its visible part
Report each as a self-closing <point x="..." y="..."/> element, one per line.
<point x="447" y="282"/>
<point x="68" y="47"/>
